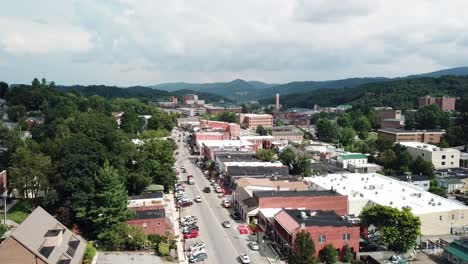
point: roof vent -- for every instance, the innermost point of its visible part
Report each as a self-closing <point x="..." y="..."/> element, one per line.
<point x="303" y="215"/>
<point x="313" y="213"/>
<point x="376" y="192"/>
<point x="391" y="203"/>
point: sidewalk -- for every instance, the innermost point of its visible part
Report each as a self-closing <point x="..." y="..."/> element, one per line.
<point x="269" y="254"/>
<point x="172" y="210"/>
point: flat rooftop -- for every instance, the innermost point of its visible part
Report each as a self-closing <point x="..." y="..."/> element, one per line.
<point x="149" y="214"/>
<point x="262" y="194"/>
<point x="253" y="164"/>
<point x="385" y="191"/>
<point x="426" y="147"/>
<point x="405" y="131"/>
<point x="153" y="195"/>
<point x="258" y="115"/>
<point x="317" y="218"/>
<point x="255" y="137"/>
<point x="461" y="173"/>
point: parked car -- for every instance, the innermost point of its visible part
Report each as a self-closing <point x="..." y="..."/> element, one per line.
<point x="185" y="203"/>
<point x="188" y="222"/>
<point x="218" y="189"/>
<point x="227" y="203"/>
<point x="253" y="245"/>
<point x="226" y="224"/>
<point x="213" y="182"/>
<point x="235" y="215"/>
<point x="197" y="246"/>
<point x="207" y="189"/>
<point x="188" y="217"/>
<point x="198" y="199"/>
<point x="187" y="229"/>
<point x="244" y="258"/>
<point x="199" y="257"/>
<point x="191" y="234"/>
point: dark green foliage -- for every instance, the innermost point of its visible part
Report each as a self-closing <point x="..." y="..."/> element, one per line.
<point x="431" y="117"/>
<point x="265" y="154"/>
<point x="346" y="136"/>
<point x="263" y="131"/>
<point x="3" y="229"/>
<point x="229" y="117"/>
<point x="399" y="229"/>
<point x="362" y="127"/>
<point x="399" y="94"/>
<point x="327" y="130"/>
<point x="3" y="89"/>
<point x="303" y="249"/>
<point x="287" y="157"/>
<point x="328" y="254"/>
<point x="16" y="112"/>
<point x="89" y="253"/>
<point x="348" y="254"/>
<point x="9" y="140"/>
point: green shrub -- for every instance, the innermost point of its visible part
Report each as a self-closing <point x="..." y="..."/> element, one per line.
<point x="163" y="249"/>
<point x="89" y="254"/>
<point x="3" y="229"/>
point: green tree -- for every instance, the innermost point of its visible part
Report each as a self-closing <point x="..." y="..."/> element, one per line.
<point x="263" y="131"/>
<point x="265" y="154"/>
<point x="303" y="249"/>
<point x="399" y="229"/>
<point x="455" y="135"/>
<point x="3" y="89"/>
<point x="287" y="157"/>
<point x="131" y="123"/>
<point x="229" y="117"/>
<point x="9" y="140"/>
<point x="30" y="173"/>
<point x="420" y="166"/>
<point x="388" y="159"/>
<point x="328" y="254"/>
<point x="90" y="252"/>
<point x="362" y="127"/>
<point x="348" y="255"/>
<point x="301" y="166"/>
<point x="115" y="237"/>
<point x="163" y="249"/>
<point x="3" y="229"/>
<point x="110" y="201"/>
<point x="326" y="130"/>
<point x="16" y="112"/>
<point x="345" y="120"/>
<point x="430" y="117"/>
<point x="346" y="136"/>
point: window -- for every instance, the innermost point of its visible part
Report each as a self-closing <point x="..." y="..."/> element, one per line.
<point x="322" y="239"/>
<point x="453" y="217"/>
<point x="440" y="218"/>
<point x="346" y="236"/>
<point x="443" y="162"/>
<point x="451" y="163"/>
<point x="452" y="156"/>
<point x="422" y="154"/>
<point x="443" y="156"/>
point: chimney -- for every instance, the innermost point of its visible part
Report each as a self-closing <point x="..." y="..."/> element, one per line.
<point x="277" y="102"/>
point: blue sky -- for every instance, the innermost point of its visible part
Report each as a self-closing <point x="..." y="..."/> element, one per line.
<point x="142" y="42"/>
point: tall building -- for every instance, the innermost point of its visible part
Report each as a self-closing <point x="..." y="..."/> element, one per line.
<point x="444" y="103"/>
<point x="251" y="121"/>
<point x="277" y="102"/>
<point x="402" y="135"/>
<point x="441" y="158"/>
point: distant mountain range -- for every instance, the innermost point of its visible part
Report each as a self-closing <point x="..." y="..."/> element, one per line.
<point x="241" y="90"/>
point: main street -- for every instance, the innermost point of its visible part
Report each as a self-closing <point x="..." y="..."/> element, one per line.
<point x="223" y="245"/>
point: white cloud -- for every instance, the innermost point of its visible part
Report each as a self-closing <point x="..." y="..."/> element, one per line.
<point x="127" y="42"/>
<point x="23" y="37"/>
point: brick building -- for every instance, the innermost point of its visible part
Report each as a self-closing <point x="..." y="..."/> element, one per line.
<point x="389" y="118"/>
<point x="152" y="219"/>
<point x="422" y="136"/>
<point x="248" y="202"/>
<point x="444" y="103"/>
<point x="325" y="227"/>
<point x="34" y="121"/>
<point x="251" y="121"/>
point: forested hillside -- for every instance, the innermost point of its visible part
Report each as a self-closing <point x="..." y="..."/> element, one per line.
<point x="401" y="94"/>
<point x="140" y="92"/>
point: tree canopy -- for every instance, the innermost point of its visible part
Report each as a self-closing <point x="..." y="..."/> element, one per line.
<point x="303" y="249"/>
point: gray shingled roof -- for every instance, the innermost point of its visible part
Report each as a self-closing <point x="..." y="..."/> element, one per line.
<point x="32" y="234"/>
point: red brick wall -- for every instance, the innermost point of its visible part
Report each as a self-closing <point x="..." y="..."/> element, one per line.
<point x="209" y="137"/>
<point x="446" y="103"/>
<point x="153" y="226"/>
<point x="339" y="204"/>
<point x="334" y="235"/>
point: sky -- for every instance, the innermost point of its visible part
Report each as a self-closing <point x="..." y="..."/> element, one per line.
<point x="144" y="42"/>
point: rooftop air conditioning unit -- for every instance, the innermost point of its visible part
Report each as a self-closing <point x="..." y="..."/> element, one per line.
<point x="313" y="213"/>
<point x="303" y="215"/>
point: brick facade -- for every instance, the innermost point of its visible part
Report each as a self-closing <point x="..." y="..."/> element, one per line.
<point x="444" y="103"/>
<point x="412" y="136"/>
<point x="339" y="204"/>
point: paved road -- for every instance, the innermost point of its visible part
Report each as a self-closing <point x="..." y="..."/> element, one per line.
<point x="224" y="245"/>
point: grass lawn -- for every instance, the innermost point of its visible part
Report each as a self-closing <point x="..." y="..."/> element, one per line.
<point x="20" y="211"/>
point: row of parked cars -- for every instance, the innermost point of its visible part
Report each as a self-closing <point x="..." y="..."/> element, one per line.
<point x="196" y="252"/>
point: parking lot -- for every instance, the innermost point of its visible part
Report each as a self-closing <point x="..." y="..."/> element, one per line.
<point x="128" y="258"/>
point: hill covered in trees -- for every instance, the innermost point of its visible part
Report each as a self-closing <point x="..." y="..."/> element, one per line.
<point x="140" y="92"/>
<point x="401" y="94"/>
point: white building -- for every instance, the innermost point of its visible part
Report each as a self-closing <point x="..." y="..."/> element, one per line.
<point x="351" y="159"/>
<point x="438" y="215"/>
<point x="442" y="158"/>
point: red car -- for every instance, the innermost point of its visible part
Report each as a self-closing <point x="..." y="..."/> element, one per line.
<point x="185" y="203"/>
<point x="191" y="234"/>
